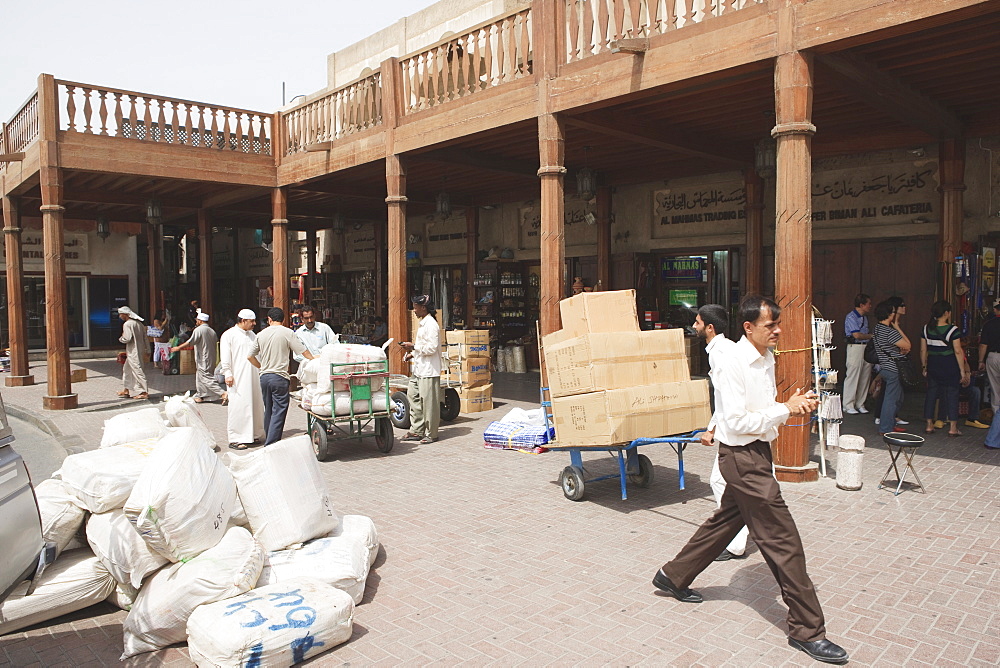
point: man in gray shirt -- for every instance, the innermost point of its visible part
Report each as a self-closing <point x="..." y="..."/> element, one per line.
<point x="204" y="340"/>
<point x="269" y="353"/>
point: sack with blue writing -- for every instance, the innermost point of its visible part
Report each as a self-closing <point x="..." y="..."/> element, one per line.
<point x="278" y="625"/>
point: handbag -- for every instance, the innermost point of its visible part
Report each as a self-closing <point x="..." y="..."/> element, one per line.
<point x="908" y="375"/>
<point x="871" y="355"/>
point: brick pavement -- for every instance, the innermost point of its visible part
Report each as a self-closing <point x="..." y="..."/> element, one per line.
<point x="485" y="562"/>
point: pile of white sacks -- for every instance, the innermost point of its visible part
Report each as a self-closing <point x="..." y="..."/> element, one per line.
<point x="249" y="562"/>
<point x="322" y="395"/>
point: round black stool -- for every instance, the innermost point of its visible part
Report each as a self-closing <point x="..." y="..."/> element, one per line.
<point x="906" y="445"/>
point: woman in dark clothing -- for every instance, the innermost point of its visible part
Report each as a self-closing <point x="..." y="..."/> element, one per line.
<point x="944" y="364"/>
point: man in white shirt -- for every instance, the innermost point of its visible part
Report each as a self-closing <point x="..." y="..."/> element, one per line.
<point x="245" y="419"/>
<point x="711" y="324"/>
<point x="747" y="418"/>
<point x="424" y="390"/>
<point x="312" y="333"/>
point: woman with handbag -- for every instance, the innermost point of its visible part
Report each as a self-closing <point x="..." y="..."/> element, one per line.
<point x="944" y="365"/>
<point x="890" y="344"/>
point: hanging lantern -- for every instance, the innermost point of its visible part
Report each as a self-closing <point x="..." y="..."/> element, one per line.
<point x="766" y="158"/>
<point x="153" y="211"/>
<point x="443" y="204"/>
<point x="586" y="179"/>
<point x="103" y="228"/>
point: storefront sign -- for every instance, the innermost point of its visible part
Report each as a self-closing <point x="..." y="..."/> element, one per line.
<point x="683" y="297"/>
<point x="862" y="196"/>
<point x="359" y="245"/>
<point x="684" y="269"/>
<point x="715" y="204"/>
<point x="259" y="261"/>
<point x="581" y="229"/>
<point x="76" y="248"/>
<point x="443" y="237"/>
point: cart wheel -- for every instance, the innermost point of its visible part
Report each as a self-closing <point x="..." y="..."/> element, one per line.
<point x="400" y="413"/>
<point x="384" y="435"/>
<point x="645" y="475"/>
<point x="175" y="370"/>
<point x="320" y="440"/>
<point x="571" y="480"/>
<point x="451" y="406"/>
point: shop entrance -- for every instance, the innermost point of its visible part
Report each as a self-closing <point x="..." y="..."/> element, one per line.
<point x="34" y="305"/>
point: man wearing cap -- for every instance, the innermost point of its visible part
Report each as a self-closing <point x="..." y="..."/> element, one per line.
<point x="245" y="421"/>
<point x="269" y="353"/>
<point x="424" y="389"/>
<point x="136" y="344"/>
<point x="203" y="340"/>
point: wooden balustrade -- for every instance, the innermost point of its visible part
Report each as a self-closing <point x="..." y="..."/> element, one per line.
<point x="110" y="112"/>
<point x="21" y="130"/>
<point x="485" y="56"/>
<point x="591" y="25"/>
<point x="351" y="108"/>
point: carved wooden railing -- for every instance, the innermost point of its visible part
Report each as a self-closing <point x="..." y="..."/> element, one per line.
<point x="485" y="56"/>
<point x="21" y="130"/>
<point x="351" y="108"/>
<point x="97" y="110"/>
<point x="591" y="25"/>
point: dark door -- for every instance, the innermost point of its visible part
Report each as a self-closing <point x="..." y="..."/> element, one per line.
<point x="106" y="295"/>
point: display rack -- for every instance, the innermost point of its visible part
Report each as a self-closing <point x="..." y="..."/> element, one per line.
<point x="829" y="415"/>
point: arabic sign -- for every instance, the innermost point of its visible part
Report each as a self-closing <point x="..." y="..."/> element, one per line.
<point x="578" y="231"/>
<point x="76" y="248"/>
<point x="714" y="204"/>
<point x="444" y="237"/>
<point x="359" y="244"/>
<point x="862" y="196"/>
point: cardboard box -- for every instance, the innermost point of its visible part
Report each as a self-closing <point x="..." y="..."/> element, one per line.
<point x="477" y="399"/>
<point x="77" y="375"/>
<point x="187" y="366"/>
<point x="619" y="416"/>
<point x="599" y="312"/>
<point x="596" y="362"/>
<point x="475" y="371"/>
<point x="468" y="343"/>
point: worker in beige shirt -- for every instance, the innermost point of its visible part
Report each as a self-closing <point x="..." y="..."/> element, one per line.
<point x="269" y="353"/>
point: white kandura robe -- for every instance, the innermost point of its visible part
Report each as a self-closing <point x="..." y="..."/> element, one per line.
<point x="246" y="403"/>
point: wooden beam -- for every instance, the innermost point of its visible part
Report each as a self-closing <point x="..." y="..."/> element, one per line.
<point x="633" y="45"/>
<point x="128" y="199"/>
<point x="11" y="157"/>
<point x="621" y="127"/>
<point x="477" y="160"/>
<point x="233" y="196"/>
<point x="882" y="91"/>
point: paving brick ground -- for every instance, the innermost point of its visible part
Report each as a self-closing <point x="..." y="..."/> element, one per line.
<point x="485" y="562"/>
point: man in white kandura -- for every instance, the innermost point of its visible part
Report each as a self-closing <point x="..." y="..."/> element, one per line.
<point x="245" y="423"/>
<point x="204" y="341"/>
<point x="136" y="346"/>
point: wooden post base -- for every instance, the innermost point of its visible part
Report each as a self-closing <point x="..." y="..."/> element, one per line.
<point x="807" y="473"/>
<point x="60" y="403"/>
<point x="18" y="381"/>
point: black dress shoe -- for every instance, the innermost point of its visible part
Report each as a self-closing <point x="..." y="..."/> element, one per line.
<point x="727" y="555"/>
<point x="662" y="582"/>
<point x="821" y="650"/>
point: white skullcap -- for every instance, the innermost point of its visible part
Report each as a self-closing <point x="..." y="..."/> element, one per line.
<point x="203" y="316"/>
<point x="247" y="314"/>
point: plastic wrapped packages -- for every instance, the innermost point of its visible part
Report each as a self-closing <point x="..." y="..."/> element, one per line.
<point x="75" y="581"/>
<point x="61" y="516"/>
<point x="346" y="353"/>
<point x="133" y="426"/>
<point x="284" y="494"/>
<point x="121" y="549"/>
<point x="278" y="625"/>
<point x="183" y="500"/>
<point x="102" y="479"/>
<point x="342" y="403"/>
<point x="160" y="612"/>
<point x="182" y="411"/>
<point x="342" y="559"/>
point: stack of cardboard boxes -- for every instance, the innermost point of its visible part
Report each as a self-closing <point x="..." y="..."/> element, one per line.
<point x="468" y="353"/>
<point x="612" y="383"/>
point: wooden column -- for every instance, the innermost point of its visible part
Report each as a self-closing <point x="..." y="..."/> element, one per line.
<point x="399" y="316"/>
<point x="381" y="268"/>
<point x="951" y="157"/>
<point x="279" y="246"/>
<point x="793" y="82"/>
<point x="552" y="172"/>
<point x="205" y="263"/>
<point x="311" y="248"/>
<point x="154" y="254"/>
<point x="604" y="238"/>
<point x="754" y="187"/>
<point x="471" y="257"/>
<point x="17" y="325"/>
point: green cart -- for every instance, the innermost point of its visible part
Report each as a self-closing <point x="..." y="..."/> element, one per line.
<point x="353" y="423"/>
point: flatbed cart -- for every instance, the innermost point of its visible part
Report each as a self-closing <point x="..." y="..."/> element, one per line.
<point x="323" y="430"/>
<point x="451" y="401"/>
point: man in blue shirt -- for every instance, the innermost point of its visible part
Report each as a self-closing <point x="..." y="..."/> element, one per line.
<point x="859" y="372"/>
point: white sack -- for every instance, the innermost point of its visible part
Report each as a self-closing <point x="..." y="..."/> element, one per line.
<point x="284" y="494"/>
<point x="321" y="405"/>
<point x="102" y="479"/>
<point x="133" y="426"/>
<point x="182" y="411"/>
<point x="277" y="626"/>
<point x="308" y="372"/>
<point x="305" y="398"/>
<point x="183" y="500"/>
<point x="342" y="403"/>
<point x="346" y="353"/>
<point x="341" y="559"/>
<point x="161" y="610"/>
<point x="61" y="516"/>
<point x="77" y="580"/>
<point x="123" y="596"/>
<point x="533" y="417"/>
<point x="121" y="549"/>
<point x="239" y="516"/>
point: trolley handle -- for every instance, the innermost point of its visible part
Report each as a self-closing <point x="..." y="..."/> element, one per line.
<point x="691" y="437"/>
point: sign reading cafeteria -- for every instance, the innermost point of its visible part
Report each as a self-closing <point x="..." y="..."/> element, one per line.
<point x="901" y="192"/>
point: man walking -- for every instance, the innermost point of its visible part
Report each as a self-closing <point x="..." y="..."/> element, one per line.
<point x="312" y="333"/>
<point x="989" y="356"/>
<point x="136" y="345"/>
<point x="269" y="353"/>
<point x="245" y="419"/>
<point x="711" y="324"/>
<point x="747" y="417"/>
<point x="203" y="340"/>
<point x="859" y="372"/>
<point x="424" y="389"/>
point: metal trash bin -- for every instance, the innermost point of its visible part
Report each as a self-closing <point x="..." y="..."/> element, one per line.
<point x="849" y="462"/>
